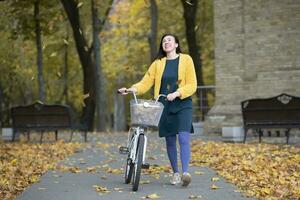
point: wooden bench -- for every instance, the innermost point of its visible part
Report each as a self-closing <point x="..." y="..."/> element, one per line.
<point x="279" y="112"/>
<point x="41" y="117"/>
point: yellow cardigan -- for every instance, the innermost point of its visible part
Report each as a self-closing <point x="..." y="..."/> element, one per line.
<point x="187" y="81"/>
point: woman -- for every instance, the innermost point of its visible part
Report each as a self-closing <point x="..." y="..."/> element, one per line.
<point x="172" y="73"/>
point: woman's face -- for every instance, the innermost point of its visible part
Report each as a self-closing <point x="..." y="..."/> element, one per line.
<point x="169" y="44"/>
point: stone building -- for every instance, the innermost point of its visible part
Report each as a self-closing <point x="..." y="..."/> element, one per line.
<point x="257" y="55"/>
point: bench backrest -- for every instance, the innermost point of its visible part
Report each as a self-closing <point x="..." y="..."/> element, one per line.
<point x="39" y="115"/>
<point x="282" y="109"/>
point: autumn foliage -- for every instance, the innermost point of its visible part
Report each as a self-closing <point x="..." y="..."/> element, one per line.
<point x="263" y="171"/>
<point x="22" y="164"/>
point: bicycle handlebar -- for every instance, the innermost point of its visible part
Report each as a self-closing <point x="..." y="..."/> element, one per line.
<point x="134" y="95"/>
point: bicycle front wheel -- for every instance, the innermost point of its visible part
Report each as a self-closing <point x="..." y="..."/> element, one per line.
<point x="138" y="164"/>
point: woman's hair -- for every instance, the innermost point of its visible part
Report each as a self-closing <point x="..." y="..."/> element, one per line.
<point x="161" y="53"/>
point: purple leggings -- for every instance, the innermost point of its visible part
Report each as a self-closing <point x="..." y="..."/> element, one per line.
<point x="185" y="150"/>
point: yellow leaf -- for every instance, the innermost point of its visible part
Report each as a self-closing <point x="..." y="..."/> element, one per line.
<point x="53" y="54"/>
<point x="66" y="42"/>
<point x="14" y="162"/>
<point x="118" y="189"/>
<point x="145" y="182"/>
<point x="298" y="192"/>
<point x="215" y="179"/>
<point x="79" y="4"/>
<point x="101" y="189"/>
<point x="188" y="3"/>
<point x="151" y="196"/>
<point x="214" y="187"/>
<point x="198" y="172"/>
<point x="195" y="196"/>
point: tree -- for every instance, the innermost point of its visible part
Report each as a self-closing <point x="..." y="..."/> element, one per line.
<point x="99" y="76"/>
<point x="152" y="37"/>
<point x="190" y="10"/>
<point x="38" y="37"/>
<point x="84" y="53"/>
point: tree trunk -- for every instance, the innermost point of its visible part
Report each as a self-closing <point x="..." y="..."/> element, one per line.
<point x="83" y="51"/>
<point x="1" y="106"/>
<point x="38" y="37"/>
<point x="66" y="66"/>
<point x="99" y="77"/>
<point x="190" y="10"/>
<point x="152" y="37"/>
<point x="119" y="112"/>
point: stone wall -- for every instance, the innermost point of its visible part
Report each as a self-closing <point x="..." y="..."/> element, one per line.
<point x="257" y="55"/>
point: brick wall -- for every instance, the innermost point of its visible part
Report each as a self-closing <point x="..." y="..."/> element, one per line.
<point x="257" y="55"/>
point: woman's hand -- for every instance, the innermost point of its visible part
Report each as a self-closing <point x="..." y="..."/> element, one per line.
<point x="125" y="91"/>
<point x="173" y="96"/>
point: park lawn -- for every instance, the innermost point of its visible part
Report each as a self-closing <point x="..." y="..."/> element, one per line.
<point x="263" y="171"/>
<point x="22" y="164"/>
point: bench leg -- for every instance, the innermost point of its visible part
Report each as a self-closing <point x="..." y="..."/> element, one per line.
<point x="41" y="139"/>
<point x="85" y="136"/>
<point x="56" y="132"/>
<point x="28" y="135"/>
<point x="278" y="133"/>
<point x="269" y="133"/>
<point x="71" y="136"/>
<point x="260" y="134"/>
<point x="245" y="134"/>
<point x="287" y="133"/>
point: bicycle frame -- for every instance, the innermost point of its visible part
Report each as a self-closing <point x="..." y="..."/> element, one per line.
<point x="132" y="142"/>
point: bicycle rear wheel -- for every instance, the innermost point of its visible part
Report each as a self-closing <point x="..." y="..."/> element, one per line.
<point x="137" y="169"/>
<point x="128" y="170"/>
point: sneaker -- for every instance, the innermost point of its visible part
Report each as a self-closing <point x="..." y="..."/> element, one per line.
<point x="175" y="180"/>
<point x="186" y="179"/>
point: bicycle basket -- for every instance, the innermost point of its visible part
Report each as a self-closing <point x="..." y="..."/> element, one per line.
<point x="145" y="112"/>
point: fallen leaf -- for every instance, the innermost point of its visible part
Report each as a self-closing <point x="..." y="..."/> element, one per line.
<point x="214" y="187"/>
<point x="101" y="189"/>
<point x="151" y="196"/>
<point x="195" y="196"/>
<point x="215" y="179"/>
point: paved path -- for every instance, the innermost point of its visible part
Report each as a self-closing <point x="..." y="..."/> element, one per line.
<point x="59" y="185"/>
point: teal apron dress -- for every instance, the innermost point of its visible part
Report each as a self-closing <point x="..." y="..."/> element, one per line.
<point x="177" y="114"/>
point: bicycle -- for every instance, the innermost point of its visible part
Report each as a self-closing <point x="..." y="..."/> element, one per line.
<point x="136" y="146"/>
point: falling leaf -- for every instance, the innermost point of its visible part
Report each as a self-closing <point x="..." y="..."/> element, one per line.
<point x="53" y="54"/>
<point x="66" y="42"/>
<point x="58" y="74"/>
<point x="188" y="3"/>
<point x="86" y="95"/>
<point x="79" y="4"/>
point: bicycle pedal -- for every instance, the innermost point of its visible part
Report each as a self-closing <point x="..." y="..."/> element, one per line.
<point x="123" y="150"/>
<point x="145" y="166"/>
